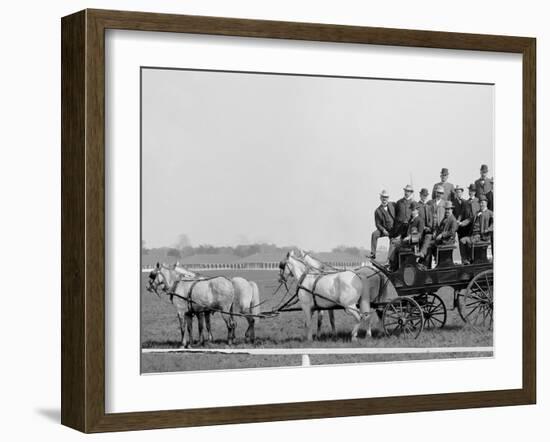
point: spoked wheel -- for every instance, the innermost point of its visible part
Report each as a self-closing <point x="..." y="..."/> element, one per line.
<point x="434" y="310"/>
<point x="476" y="303"/>
<point x="403" y="316"/>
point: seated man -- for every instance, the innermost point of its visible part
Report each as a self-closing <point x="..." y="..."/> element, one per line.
<point x="482" y="227"/>
<point x="446" y="230"/>
<point x="412" y="236"/>
<point x="434" y="214"/>
<point x="384" y="219"/>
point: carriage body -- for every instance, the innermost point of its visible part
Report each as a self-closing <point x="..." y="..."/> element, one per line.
<point x="417" y="286"/>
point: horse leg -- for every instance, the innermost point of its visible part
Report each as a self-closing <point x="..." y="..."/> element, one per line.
<point x="188" y="326"/>
<point x="332" y="323"/>
<point x="352" y="310"/>
<point x="230" y="324"/>
<point x="249" y="335"/>
<point x="319" y="322"/>
<point x="200" y="318"/>
<point x="209" y="336"/>
<point x="309" y="323"/>
<point x="182" y="328"/>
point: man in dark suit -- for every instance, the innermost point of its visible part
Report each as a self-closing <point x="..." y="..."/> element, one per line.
<point x="443" y="233"/>
<point x="473" y="202"/>
<point x="384" y="219"/>
<point x="411" y="237"/>
<point x="482" y="226"/>
<point x="403" y="211"/>
<point x="483" y="184"/>
<point x="448" y="188"/>
<point x="446" y="230"/>
<point x="463" y="213"/>
<point x="436" y="213"/>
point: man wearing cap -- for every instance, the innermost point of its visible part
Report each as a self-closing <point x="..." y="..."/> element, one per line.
<point x="384" y="219"/>
<point x="436" y="214"/>
<point x="411" y="237"/>
<point x="446" y="230"/>
<point x="459" y="203"/>
<point x="448" y="188"/>
<point x="403" y="211"/>
<point x="472" y="201"/>
<point x="483" y="185"/>
<point x="425" y="211"/>
<point x="482" y="226"/>
<point x="462" y="213"/>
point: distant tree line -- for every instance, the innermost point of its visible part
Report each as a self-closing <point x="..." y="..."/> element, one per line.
<point x="241" y="251"/>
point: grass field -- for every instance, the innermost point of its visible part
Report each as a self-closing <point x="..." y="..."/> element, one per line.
<point x="160" y="329"/>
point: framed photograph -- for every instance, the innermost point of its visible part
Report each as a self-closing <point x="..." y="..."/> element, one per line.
<point x="259" y="208"/>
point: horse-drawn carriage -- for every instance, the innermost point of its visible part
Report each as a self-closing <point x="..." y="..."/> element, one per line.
<point x="418" y="305"/>
<point x="359" y="292"/>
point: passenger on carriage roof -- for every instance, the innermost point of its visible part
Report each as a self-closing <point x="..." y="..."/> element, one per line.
<point x="412" y="236"/>
<point x="483" y="184"/>
<point x="482" y="226"/>
<point x="403" y="212"/>
<point x="384" y="219"/>
<point x="444" y="234"/>
<point x="425" y="211"/>
<point x="436" y="214"/>
<point x="448" y="188"/>
<point x="447" y="227"/>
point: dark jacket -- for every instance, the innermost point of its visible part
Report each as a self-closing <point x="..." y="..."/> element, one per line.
<point x="489" y="196"/>
<point x="460" y="209"/>
<point x="463" y="214"/>
<point x="483" y="225"/>
<point x="483" y="186"/>
<point x="402" y="216"/>
<point x="385" y="219"/>
<point x="473" y="210"/>
<point x="447" y="229"/>
<point x="415" y="229"/>
<point x="425" y="212"/>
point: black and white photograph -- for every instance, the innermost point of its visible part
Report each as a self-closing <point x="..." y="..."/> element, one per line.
<point x="302" y="220"/>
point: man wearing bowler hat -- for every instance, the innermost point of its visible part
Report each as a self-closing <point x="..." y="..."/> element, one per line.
<point x="462" y="212"/>
<point x="403" y="211"/>
<point x="384" y="219"/>
<point x="483" y="184"/>
<point x="410" y="238"/>
<point x="448" y="188"/>
<point x="482" y="226"/>
<point x="446" y="230"/>
<point x="425" y="211"/>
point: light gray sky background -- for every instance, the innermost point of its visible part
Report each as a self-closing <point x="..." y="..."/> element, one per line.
<point x="234" y="158"/>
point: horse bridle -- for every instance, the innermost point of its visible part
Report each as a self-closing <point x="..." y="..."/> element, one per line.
<point x="153" y="285"/>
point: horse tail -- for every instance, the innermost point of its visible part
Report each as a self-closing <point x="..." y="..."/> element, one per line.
<point x="255" y="302"/>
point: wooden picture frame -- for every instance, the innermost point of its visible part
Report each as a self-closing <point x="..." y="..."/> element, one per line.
<point x="83" y="220"/>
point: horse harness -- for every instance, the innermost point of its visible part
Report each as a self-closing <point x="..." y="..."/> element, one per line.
<point x="188" y="298"/>
<point x="314" y="295"/>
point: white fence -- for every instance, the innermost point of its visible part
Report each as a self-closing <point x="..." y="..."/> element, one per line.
<point x="274" y="266"/>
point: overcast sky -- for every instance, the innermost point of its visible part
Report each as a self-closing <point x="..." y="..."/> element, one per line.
<point x="233" y="158"/>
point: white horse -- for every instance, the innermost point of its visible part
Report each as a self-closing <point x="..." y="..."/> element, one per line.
<point x="320" y="291"/>
<point x="246" y="301"/>
<point x="320" y="266"/>
<point x="195" y="297"/>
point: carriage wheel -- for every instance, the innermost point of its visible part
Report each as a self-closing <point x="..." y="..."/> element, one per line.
<point x="403" y="316"/>
<point x="475" y="305"/>
<point x="433" y="309"/>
